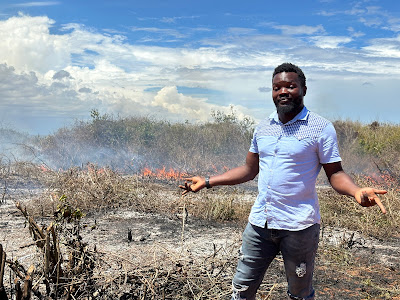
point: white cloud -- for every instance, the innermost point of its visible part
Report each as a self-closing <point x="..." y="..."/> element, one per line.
<point x="368" y="15"/>
<point x="371" y="21"/>
<point x="393" y="24"/>
<point x="330" y="41"/>
<point x="172" y="20"/>
<point x="37" y="3"/>
<point x="354" y="33"/>
<point x="384" y="47"/>
<point x="242" y="31"/>
<point x="161" y="31"/>
<point x="81" y="68"/>
<point x="28" y="45"/>
<point x="119" y="75"/>
<point x="61" y="74"/>
<point x="325" y="13"/>
<point x="300" y="30"/>
<point x="185" y="106"/>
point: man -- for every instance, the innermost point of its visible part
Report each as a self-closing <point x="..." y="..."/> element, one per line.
<point x="287" y="151"/>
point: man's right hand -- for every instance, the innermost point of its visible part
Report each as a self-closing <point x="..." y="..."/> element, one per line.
<point x="193" y="184"/>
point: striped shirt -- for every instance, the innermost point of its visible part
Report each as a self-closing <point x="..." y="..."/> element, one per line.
<point x="291" y="156"/>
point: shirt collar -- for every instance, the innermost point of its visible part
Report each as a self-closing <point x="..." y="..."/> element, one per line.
<point x="302" y="115"/>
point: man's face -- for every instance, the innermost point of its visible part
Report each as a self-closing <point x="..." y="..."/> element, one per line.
<point x="288" y="93"/>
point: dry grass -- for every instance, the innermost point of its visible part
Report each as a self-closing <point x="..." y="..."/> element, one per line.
<point x="95" y="188"/>
<point x="343" y="212"/>
<point x="163" y="273"/>
<point x="166" y="274"/>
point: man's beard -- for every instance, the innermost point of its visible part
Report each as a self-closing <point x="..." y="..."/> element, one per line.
<point x="291" y="107"/>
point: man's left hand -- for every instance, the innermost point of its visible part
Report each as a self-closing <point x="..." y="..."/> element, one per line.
<point x="368" y="197"/>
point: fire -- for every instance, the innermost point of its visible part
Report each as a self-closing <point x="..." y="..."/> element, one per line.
<point x="173" y="174"/>
<point x="383" y="180"/>
<point x="44" y="168"/>
<point x="164" y="174"/>
<point x="220" y="170"/>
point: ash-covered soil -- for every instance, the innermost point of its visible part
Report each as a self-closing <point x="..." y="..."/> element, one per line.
<point x="349" y="266"/>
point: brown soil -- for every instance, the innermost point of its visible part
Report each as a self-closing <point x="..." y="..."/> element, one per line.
<point x="349" y="266"/>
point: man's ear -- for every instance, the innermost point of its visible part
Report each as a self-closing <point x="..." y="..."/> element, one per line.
<point x="304" y="90"/>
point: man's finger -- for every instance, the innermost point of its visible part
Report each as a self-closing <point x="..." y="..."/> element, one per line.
<point x="381" y="192"/>
<point x="185" y="187"/>
<point x="379" y="203"/>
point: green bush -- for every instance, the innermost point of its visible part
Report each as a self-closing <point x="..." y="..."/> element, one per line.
<point x="132" y="143"/>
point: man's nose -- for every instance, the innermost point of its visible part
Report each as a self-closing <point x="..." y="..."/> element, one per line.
<point x="283" y="91"/>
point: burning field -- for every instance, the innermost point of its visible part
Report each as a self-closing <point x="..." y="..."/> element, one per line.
<point x="77" y="230"/>
<point x="135" y="237"/>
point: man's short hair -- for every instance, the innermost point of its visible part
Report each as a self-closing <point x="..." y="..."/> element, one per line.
<point x="288" y="67"/>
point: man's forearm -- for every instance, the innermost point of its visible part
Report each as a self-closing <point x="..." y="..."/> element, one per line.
<point x="343" y="184"/>
<point x="235" y="176"/>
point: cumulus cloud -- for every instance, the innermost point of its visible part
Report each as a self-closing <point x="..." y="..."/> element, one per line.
<point x="77" y="68"/>
<point x="61" y="74"/>
<point x="56" y="66"/>
<point x="28" y="45"/>
<point x="179" y="104"/>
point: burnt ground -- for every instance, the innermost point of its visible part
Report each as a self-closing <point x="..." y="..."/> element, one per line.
<point x="349" y="266"/>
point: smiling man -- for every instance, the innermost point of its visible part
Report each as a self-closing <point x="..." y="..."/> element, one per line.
<point x="287" y="152"/>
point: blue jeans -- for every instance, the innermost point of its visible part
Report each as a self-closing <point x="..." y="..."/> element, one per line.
<point x="259" y="248"/>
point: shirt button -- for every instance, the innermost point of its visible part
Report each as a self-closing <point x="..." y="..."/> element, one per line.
<point x="269" y="186"/>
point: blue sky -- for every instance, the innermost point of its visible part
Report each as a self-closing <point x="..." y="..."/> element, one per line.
<point x="180" y="60"/>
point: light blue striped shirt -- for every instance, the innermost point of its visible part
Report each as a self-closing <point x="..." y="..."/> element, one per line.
<point x="291" y="156"/>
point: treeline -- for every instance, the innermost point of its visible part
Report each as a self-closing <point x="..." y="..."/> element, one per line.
<point x="132" y="143"/>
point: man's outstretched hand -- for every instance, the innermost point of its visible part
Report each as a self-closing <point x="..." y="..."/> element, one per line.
<point x="368" y="197"/>
<point x="193" y="184"/>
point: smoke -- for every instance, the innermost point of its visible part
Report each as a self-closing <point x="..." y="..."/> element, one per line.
<point x="14" y="146"/>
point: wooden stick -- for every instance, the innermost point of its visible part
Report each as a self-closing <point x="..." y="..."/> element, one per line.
<point x="26" y="294"/>
<point x="37" y="228"/>
<point x="15" y="269"/>
<point x="3" y="260"/>
<point x="18" y="290"/>
<point x="23" y="210"/>
<point x="47" y="255"/>
<point x="3" y="294"/>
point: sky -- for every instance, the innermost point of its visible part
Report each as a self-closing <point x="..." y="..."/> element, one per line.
<point x="180" y="60"/>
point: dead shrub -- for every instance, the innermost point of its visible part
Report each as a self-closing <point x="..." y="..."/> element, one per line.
<point x="344" y="212"/>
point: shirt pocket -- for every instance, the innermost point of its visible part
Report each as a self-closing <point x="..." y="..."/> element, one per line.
<point x="298" y="147"/>
<point x="267" y="145"/>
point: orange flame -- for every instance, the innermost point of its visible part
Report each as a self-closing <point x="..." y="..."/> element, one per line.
<point x="44" y="168"/>
<point x="164" y="174"/>
<point x="383" y="180"/>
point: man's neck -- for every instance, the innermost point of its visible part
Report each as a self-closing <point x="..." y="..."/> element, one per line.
<point x="286" y="117"/>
